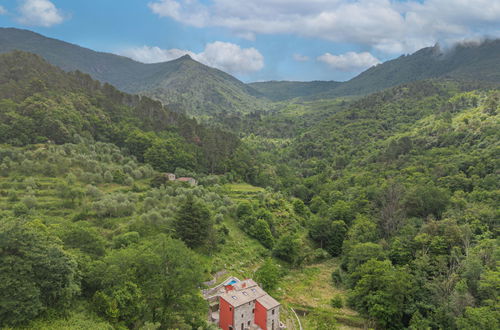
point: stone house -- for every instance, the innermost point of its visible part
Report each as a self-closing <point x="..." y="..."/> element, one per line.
<point x="170" y="176"/>
<point x="191" y="181"/>
<point x="243" y="305"/>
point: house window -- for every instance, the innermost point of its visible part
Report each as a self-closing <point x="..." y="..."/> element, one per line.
<point x="230" y="308"/>
<point x="241" y="315"/>
<point x="253" y="311"/>
<point x="273" y="312"/>
<point x="248" y="323"/>
<point x="242" y="326"/>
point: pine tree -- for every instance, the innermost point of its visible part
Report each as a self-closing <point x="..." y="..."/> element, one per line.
<point x="193" y="223"/>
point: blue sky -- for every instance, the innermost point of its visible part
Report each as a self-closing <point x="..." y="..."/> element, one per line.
<point x="259" y="40"/>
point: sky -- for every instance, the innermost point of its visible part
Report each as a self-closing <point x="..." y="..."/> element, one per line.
<point x="259" y="40"/>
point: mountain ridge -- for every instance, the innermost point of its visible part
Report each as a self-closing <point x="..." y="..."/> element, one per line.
<point x="196" y="90"/>
<point x="187" y="86"/>
<point x="465" y="61"/>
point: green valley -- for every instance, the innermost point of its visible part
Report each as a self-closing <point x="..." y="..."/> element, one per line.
<point x="366" y="204"/>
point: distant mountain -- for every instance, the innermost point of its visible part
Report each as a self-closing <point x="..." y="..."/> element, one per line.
<point x="476" y="62"/>
<point x="182" y="84"/>
<point x="201" y="90"/>
<point x="285" y="90"/>
<point x="464" y="61"/>
<point x="185" y="85"/>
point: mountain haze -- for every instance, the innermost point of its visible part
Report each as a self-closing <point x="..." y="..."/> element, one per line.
<point x="182" y="84"/>
<point x="464" y="61"/>
<point x="468" y="61"/>
<point x="285" y="90"/>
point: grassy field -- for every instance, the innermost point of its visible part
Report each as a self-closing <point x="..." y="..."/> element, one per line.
<point x="242" y="191"/>
<point x="310" y="288"/>
<point x="240" y="255"/>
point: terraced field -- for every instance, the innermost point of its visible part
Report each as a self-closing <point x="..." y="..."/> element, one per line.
<point x="242" y="191"/>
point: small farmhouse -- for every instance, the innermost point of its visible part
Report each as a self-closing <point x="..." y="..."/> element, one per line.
<point x="191" y="181"/>
<point x="243" y="305"/>
<point x="170" y="176"/>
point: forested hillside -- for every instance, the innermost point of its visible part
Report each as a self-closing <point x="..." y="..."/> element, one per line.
<point x="286" y="90"/>
<point x="41" y="103"/>
<point x="403" y="185"/>
<point x="183" y="85"/>
<point x="89" y="220"/>
<point x="376" y="211"/>
<point x="467" y="61"/>
<point x="85" y="240"/>
<point x="87" y="230"/>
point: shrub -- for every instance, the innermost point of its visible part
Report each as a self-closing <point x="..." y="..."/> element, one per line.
<point x="20" y="209"/>
<point x="337" y="301"/>
<point x="126" y="239"/>
<point x="29" y="201"/>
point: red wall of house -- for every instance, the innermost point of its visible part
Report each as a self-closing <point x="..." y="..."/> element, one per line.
<point x="260" y="316"/>
<point x="226" y="314"/>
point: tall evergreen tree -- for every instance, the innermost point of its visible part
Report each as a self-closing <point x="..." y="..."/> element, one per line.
<point x="193" y="223"/>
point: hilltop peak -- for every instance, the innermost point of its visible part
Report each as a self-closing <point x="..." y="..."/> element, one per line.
<point x="184" y="84"/>
<point x="186" y="57"/>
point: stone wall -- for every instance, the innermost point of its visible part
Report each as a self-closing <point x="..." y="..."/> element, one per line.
<point x="244" y="314"/>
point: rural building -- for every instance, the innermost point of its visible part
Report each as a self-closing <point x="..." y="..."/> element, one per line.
<point x="170" y="176"/>
<point x="242" y="305"/>
<point x="191" y="181"/>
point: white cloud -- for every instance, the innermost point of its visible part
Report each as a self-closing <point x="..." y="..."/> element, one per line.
<point x="385" y="25"/>
<point x="300" y="58"/>
<point x="232" y="58"/>
<point x="225" y="56"/>
<point x="350" y="61"/>
<point x="3" y="11"/>
<point x="146" y="54"/>
<point x="169" y="8"/>
<point x="40" y="13"/>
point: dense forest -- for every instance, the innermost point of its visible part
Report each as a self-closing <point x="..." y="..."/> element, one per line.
<point x="394" y="196"/>
<point x="41" y="103"/>
<point x="403" y="188"/>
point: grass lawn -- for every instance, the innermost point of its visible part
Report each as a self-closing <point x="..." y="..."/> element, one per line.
<point x="243" y="187"/>
<point x="311" y="288"/>
<point x="240" y="255"/>
<point x="242" y="191"/>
